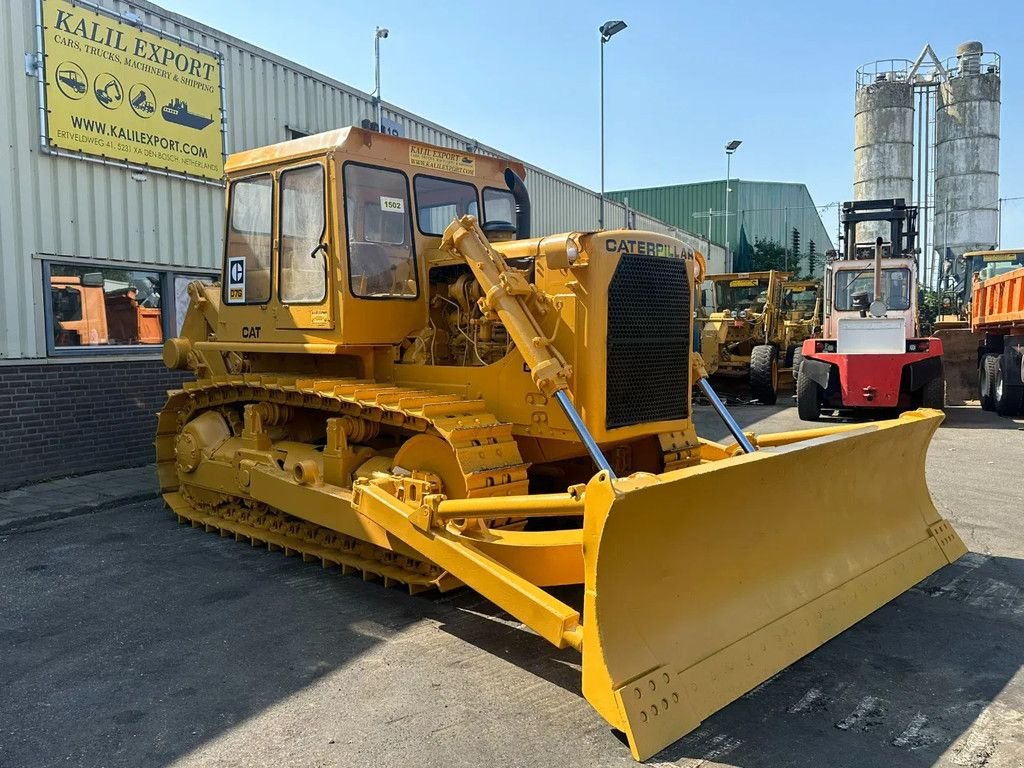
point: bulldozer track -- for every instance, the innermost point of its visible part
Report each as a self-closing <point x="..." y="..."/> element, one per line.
<point x="281" y="532"/>
<point x="483" y="445"/>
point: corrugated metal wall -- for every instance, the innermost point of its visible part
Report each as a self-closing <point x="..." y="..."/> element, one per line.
<point x="56" y="206"/>
<point x="772" y="210"/>
<point x="762" y="209"/>
<point x="677" y="204"/>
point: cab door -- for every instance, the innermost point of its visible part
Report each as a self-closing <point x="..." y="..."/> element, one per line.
<point x="304" y="249"/>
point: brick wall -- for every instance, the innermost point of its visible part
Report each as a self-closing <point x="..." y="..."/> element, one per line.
<point x="71" y="418"/>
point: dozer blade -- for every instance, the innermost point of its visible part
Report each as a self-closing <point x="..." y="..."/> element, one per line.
<point x="703" y="582"/>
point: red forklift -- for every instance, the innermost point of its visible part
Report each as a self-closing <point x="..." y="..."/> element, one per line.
<point x="871" y="356"/>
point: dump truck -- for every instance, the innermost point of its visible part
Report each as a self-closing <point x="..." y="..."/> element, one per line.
<point x="397" y="379"/>
<point x="751" y="327"/>
<point x="88" y="312"/>
<point x="79" y="310"/>
<point x="997" y="315"/>
<point x="871" y="357"/>
<point x="962" y="347"/>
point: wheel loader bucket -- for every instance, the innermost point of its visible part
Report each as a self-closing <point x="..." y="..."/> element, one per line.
<point x="703" y="582"/>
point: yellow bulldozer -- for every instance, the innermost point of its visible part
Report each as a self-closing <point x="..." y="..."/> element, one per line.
<point x="396" y="379"/>
<point x="752" y="326"/>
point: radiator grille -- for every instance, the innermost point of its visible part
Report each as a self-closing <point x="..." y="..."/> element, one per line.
<point x="648" y="368"/>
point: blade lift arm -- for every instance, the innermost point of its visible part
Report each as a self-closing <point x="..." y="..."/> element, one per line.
<point x="701" y="375"/>
<point x="508" y="294"/>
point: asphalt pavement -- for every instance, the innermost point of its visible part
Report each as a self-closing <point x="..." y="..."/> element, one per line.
<point x="128" y="640"/>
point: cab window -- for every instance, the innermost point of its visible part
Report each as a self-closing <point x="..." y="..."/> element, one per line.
<point x="378" y="217"/>
<point x="303" y="260"/>
<point x="742" y="293"/>
<point x="499" y="206"/>
<point x="895" y="287"/>
<point x="438" y="201"/>
<point x="248" y="242"/>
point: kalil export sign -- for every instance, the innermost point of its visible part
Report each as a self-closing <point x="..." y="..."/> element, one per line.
<point x="118" y="91"/>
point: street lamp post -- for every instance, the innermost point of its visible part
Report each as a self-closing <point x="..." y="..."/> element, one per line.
<point x="731" y="147"/>
<point x="380" y="34"/>
<point x="607" y="30"/>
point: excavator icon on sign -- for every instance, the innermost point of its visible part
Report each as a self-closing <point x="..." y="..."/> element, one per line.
<point x="108" y="91"/>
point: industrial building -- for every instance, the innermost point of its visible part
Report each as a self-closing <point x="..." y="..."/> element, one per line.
<point x="116" y="120"/>
<point x="756" y="210"/>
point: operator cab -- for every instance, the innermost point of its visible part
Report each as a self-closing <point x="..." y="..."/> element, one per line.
<point x="332" y="238"/>
<point x="745" y="293"/>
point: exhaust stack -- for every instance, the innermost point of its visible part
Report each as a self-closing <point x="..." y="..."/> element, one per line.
<point x="518" y="190"/>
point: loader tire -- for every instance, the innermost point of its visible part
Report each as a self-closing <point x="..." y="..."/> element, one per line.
<point x="764" y="373"/>
<point x="987" y="371"/>
<point x="808" y="399"/>
<point x="934" y="394"/>
<point x="1008" y="399"/>
<point x="798" y="358"/>
<point x="790" y="351"/>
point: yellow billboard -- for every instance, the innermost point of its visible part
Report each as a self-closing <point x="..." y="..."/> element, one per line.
<point x="121" y="92"/>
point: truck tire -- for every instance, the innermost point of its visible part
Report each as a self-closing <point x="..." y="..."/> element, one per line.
<point x="987" y="380"/>
<point x="808" y="399"/>
<point x="1008" y="399"/>
<point x="764" y="373"/>
<point x="934" y="394"/>
<point x="798" y="358"/>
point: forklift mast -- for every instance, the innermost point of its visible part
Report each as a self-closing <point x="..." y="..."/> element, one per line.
<point x="902" y="220"/>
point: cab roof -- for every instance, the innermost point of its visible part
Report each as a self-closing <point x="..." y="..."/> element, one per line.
<point x="392" y="151"/>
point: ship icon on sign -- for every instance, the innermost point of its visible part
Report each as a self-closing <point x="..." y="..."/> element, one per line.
<point x="176" y="111"/>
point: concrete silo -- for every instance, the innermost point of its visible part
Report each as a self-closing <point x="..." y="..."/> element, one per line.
<point x="883" y="154"/>
<point x="967" y="153"/>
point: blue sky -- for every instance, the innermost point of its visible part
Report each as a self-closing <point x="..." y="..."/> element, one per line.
<point x="680" y="81"/>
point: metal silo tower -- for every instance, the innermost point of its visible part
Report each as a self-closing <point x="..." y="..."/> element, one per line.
<point x="883" y="154"/>
<point x="967" y="159"/>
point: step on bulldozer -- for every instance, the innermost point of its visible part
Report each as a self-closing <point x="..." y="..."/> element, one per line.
<point x="396" y="379"/>
<point x="752" y="325"/>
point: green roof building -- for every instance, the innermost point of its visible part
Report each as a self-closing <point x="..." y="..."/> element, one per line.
<point x="768" y="210"/>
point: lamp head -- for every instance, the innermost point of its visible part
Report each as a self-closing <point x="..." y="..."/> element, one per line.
<point x="611" y="28"/>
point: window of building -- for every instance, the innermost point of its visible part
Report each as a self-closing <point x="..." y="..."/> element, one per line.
<point x="181" y="299"/>
<point x="438" y="201"/>
<point x="378" y="217"/>
<point x="92" y="307"/>
<point x="248" y="243"/>
<point x="303" y="259"/>
<point x="499" y="206"/>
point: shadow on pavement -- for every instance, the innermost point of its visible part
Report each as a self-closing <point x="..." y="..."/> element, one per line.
<point x="967" y="417"/>
<point x="136" y="646"/>
<point x="908" y="684"/>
